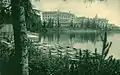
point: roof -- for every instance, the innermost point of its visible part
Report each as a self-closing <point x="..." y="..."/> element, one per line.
<point x="56" y="12"/>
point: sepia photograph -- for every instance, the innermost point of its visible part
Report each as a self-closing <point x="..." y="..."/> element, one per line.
<point x="59" y="37"/>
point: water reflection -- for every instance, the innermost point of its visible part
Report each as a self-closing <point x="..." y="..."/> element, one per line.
<point x="69" y="37"/>
<point x="83" y="40"/>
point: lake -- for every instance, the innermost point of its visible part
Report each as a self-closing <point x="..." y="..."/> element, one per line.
<point x="83" y="40"/>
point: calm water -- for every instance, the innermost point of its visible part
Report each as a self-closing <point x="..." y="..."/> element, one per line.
<point x="83" y="40"/>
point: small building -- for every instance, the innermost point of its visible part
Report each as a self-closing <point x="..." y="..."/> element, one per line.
<point x="6" y="31"/>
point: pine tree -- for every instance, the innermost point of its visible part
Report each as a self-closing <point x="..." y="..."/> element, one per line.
<point x="19" y="62"/>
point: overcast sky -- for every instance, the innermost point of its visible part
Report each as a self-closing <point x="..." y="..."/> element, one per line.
<point x="109" y="9"/>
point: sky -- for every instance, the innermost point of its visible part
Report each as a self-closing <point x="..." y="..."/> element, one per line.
<point x="108" y="9"/>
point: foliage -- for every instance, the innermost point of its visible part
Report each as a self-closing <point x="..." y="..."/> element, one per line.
<point x="6" y="49"/>
<point x="44" y="60"/>
<point x="31" y="16"/>
<point x="84" y="62"/>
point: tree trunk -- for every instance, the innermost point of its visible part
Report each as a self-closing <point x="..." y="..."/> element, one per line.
<point x="19" y="62"/>
<point x="24" y="42"/>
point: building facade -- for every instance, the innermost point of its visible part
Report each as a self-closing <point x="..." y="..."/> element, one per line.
<point x="64" y="18"/>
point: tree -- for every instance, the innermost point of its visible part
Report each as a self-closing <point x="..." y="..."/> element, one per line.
<point x="49" y="23"/>
<point x="44" y="24"/>
<point x="36" y="23"/>
<point x="19" y="11"/>
<point x="58" y="23"/>
<point x="33" y="16"/>
<point x="52" y="22"/>
<point x="19" y="62"/>
<point x="30" y="13"/>
<point x="88" y="23"/>
<point x="71" y="24"/>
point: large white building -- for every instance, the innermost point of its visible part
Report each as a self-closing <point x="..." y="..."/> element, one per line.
<point x="63" y="17"/>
